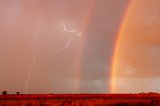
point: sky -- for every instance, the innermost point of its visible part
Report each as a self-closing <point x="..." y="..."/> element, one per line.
<point x="68" y="46"/>
<point x="137" y="62"/>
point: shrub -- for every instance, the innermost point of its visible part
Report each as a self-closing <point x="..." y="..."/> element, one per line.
<point x="4" y="92"/>
<point x="18" y="93"/>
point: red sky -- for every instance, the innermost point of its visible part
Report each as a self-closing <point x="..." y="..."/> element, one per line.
<point x="139" y="49"/>
<point x="26" y="23"/>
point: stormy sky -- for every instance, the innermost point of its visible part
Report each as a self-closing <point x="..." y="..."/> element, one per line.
<point x="138" y="60"/>
<point x="41" y="52"/>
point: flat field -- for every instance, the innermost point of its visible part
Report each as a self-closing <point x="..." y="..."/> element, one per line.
<point x="143" y="99"/>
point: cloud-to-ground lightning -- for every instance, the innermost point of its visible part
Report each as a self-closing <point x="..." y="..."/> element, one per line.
<point x="34" y="53"/>
<point x="67" y="43"/>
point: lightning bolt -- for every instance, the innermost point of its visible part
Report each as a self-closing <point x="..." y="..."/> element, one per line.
<point x="34" y="53"/>
<point x="67" y="43"/>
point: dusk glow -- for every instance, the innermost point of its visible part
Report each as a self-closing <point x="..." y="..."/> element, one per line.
<point x="79" y="46"/>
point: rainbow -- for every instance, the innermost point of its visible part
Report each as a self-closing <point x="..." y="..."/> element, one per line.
<point x="117" y="46"/>
<point x="85" y="24"/>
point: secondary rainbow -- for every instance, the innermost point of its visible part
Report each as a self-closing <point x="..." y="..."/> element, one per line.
<point x="84" y="27"/>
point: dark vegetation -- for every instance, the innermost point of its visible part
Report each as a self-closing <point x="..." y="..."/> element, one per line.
<point x="142" y="99"/>
<point x="4" y="92"/>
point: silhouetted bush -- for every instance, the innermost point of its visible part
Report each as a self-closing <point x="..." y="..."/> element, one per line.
<point x="18" y="93"/>
<point x="4" y="92"/>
